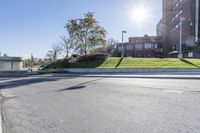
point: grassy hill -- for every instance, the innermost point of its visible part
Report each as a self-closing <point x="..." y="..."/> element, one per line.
<point x="131" y="63"/>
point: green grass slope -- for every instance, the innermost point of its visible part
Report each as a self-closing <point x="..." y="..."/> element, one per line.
<point x="135" y="63"/>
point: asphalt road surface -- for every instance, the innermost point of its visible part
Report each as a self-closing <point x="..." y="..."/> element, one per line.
<point x="62" y="104"/>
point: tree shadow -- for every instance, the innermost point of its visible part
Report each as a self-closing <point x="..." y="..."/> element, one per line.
<point x="188" y="62"/>
<point x="121" y="59"/>
<point x="22" y="82"/>
<point x="81" y="85"/>
<point x="77" y="87"/>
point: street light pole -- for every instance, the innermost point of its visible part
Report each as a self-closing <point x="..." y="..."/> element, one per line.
<point x="123" y="43"/>
<point x="180" y="55"/>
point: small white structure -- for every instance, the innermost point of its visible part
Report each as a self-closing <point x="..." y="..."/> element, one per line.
<point x="11" y="63"/>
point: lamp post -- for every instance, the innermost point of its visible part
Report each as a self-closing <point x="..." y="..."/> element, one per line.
<point x="123" y="43"/>
<point x="180" y="55"/>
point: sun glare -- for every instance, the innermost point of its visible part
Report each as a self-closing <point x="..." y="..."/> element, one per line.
<point x="141" y="14"/>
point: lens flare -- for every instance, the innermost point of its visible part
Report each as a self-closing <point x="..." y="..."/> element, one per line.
<point x="141" y="14"/>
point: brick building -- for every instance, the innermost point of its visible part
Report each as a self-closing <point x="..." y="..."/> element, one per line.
<point x="147" y="46"/>
<point x="169" y="25"/>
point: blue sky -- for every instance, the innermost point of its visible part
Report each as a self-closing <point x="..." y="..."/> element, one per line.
<point x="32" y="26"/>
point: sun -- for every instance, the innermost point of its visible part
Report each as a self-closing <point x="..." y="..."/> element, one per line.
<point x="140" y="14"/>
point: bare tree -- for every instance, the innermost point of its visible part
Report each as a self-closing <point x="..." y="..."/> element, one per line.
<point x="49" y="55"/>
<point x="66" y="45"/>
<point x="57" y="50"/>
<point x="54" y="53"/>
<point x="111" y="45"/>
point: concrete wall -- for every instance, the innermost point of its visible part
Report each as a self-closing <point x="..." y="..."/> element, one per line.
<point x="11" y="64"/>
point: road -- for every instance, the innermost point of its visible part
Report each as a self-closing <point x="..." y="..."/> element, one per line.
<point x="55" y="103"/>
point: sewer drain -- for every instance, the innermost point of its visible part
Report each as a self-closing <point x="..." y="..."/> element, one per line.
<point x="174" y="91"/>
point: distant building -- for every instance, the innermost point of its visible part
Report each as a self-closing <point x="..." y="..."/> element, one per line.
<point x="11" y="63"/>
<point x="169" y="25"/>
<point x="147" y="46"/>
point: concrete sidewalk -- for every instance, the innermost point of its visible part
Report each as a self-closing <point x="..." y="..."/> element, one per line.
<point x="130" y="75"/>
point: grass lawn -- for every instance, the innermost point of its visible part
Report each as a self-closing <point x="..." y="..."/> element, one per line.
<point x="137" y="63"/>
<point x="150" y="63"/>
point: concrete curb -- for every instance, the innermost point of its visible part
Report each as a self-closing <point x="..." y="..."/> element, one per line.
<point x="1" y="115"/>
<point x="110" y="75"/>
<point x="148" y="76"/>
<point x="121" y="70"/>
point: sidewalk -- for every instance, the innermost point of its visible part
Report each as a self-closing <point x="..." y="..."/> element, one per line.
<point x="164" y="75"/>
<point x="149" y="76"/>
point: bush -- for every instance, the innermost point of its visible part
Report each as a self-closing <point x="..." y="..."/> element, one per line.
<point x="58" y="64"/>
<point x="92" y="57"/>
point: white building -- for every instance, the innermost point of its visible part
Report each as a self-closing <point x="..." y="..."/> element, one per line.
<point x="11" y="63"/>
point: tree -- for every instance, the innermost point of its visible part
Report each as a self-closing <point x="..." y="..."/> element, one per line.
<point x="66" y="44"/>
<point x="49" y="55"/>
<point x="111" y="46"/>
<point x="57" y="50"/>
<point x="54" y="53"/>
<point x="86" y="34"/>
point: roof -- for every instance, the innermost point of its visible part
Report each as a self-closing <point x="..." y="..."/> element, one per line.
<point x="3" y="58"/>
<point x="153" y="39"/>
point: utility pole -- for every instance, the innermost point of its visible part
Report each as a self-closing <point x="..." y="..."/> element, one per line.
<point x="123" y="43"/>
<point x="180" y="55"/>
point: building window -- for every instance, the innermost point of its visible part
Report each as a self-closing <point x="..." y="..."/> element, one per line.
<point x="156" y="46"/>
<point x="190" y="54"/>
<point x="148" y="46"/>
<point x="120" y="48"/>
<point x="176" y="15"/>
<point x="129" y="48"/>
<point x="177" y="26"/>
<point x="139" y="46"/>
<point x="180" y="12"/>
<point x="173" y="19"/>
<point x="177" y="4"/>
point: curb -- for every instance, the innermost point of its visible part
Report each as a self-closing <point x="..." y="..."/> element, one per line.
<point x="128" y="70"/>
<point x="147" y="76"/>
<point x="111" y="75"/>
<point x="1" y="115"/>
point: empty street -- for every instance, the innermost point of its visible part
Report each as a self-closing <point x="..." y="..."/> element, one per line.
<point x="55" y="103"/>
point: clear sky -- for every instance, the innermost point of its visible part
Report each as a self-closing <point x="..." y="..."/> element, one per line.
<point x="32" y="26"/>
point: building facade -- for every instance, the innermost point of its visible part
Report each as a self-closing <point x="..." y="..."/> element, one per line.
<point x="147" y="46"/>
<point x="11" y="63"/>
<point x="169" y="26"/>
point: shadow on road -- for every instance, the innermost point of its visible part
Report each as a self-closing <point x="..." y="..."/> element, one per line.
<point x="49" y="78"/>
<point x="22" y="82"/>
<point x="73" y="88"/>
<point x="82" y="85"/>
